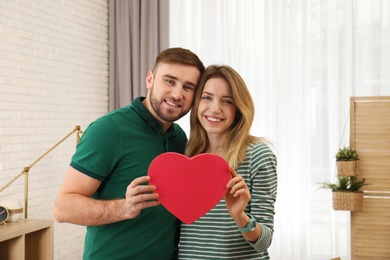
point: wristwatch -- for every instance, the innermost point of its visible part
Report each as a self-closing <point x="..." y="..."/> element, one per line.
<point x="250" y="226"/>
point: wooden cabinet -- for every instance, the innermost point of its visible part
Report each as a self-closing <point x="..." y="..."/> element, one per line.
<point x="30" y="239"/>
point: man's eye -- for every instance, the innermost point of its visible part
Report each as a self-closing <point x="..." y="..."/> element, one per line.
<point x="170" y="81"/>
<point x="189" y="88"/>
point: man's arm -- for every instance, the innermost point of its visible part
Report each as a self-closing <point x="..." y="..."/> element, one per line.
<point x="75" y="205"/>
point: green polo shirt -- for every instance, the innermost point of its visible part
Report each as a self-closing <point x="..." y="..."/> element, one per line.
<point x="116" y="149"/>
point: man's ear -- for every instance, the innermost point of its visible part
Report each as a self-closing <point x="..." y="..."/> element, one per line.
<point x="149" y="80"/>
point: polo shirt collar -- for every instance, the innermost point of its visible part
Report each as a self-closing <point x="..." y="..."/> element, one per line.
<point x="141" y="110"/>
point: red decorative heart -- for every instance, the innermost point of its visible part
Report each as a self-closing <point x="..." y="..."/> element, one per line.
<point x="189" y="187"/>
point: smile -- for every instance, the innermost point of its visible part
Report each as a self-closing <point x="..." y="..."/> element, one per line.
<point x="213" y="119"/>
<point x="172" y="104"/>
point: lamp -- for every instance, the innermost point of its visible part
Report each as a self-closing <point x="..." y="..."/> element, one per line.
<point x="26" y="169"/>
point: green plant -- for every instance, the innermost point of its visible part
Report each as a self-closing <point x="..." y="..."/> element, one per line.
<point x="347" y="154"/>
<point x="345" y="183"/>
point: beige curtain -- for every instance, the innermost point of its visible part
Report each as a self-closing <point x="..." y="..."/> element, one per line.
<point x="138" y="31"/>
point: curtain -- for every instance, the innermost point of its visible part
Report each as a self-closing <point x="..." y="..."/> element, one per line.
<point x="138" y="32"/>
<point x="302" y="61"/>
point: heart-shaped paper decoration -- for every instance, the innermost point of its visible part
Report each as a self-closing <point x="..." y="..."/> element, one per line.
<point x="189" y="187"/>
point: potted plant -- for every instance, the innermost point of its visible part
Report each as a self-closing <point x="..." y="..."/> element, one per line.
<point x="345" y="193"/>
<point x="347" y="162"/>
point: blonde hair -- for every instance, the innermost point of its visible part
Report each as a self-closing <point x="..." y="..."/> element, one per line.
<point x="238" y="138"/>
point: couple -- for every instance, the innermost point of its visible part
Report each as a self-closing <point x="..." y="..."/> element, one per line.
<point x="106" y="186"/>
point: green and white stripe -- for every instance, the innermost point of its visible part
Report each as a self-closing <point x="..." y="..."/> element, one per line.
<point x="215" y="235"/>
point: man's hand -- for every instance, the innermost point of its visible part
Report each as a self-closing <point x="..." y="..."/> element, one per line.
<point x="139" y="196"/>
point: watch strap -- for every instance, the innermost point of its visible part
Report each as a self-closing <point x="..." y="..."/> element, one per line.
<point x="250" y="226"/>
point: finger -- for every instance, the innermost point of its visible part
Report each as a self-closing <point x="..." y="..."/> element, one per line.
<point x="241" y="192"/>
<point x="139" y="190"/>
<point x="140" y="198"/>
<point x="138" y="202"/>
<point x="232" y="171"/>
<point x="139" y="185"/>
<point x="232" y="181"/>
<point x="235" y="180"/>
<point x="135" y="209"/>
<point x="139" y="180"/>
<point x="146" y="204"/>
<point x="237" y="187"/>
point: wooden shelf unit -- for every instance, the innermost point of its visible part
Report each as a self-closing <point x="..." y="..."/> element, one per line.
<point x="30" y="239"/>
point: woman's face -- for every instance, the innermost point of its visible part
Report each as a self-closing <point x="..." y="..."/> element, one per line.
<point x="216" y="110"/>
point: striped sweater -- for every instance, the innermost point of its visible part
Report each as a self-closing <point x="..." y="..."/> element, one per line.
<point x="216" y="236"/>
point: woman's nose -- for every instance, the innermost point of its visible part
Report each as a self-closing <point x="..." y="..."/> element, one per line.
<point x="215" y="107"/>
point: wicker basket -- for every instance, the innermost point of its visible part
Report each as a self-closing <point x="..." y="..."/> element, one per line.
<point x="347" y="168"/>
<point x="347" y="200"/>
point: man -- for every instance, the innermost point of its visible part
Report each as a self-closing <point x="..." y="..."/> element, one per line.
<point x="106" y="188"/>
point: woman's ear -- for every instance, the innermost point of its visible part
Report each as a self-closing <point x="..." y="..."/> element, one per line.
<point x="149" y="80"/>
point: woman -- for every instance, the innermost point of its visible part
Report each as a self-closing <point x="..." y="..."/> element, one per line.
<point x="240" y="226"/>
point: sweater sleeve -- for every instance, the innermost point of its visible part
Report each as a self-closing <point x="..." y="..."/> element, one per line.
<point x="263" y="187"/>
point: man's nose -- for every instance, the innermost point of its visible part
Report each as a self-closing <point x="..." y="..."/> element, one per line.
<point x="177" y="93"/>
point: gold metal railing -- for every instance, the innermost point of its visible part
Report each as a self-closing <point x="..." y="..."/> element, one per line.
<point x="26" y="169"/>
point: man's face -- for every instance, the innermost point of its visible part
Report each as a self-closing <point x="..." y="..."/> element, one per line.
<point x="171" y="91"/>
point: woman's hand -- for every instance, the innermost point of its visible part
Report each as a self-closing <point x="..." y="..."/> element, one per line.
<point x="237" y="196"/>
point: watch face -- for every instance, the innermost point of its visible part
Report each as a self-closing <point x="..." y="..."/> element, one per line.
<point x="3" y="214"/>
<point x="253" y="226"/>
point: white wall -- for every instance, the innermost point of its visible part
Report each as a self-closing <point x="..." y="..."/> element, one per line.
<point x="53" y="76"/>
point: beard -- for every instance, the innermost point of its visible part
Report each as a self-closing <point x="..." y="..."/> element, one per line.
<point x="169" y="115"/>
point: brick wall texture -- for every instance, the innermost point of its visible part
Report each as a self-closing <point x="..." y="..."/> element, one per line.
<point x="53" y="76"/>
